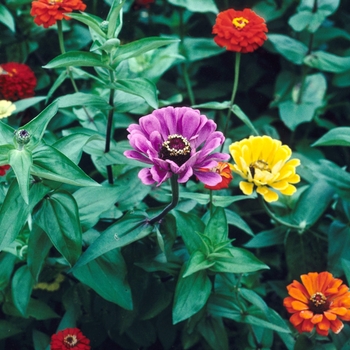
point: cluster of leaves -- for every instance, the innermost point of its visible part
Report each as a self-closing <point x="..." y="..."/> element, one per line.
<point x="73" y="204"/>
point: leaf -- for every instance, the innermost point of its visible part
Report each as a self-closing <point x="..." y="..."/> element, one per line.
<point x="213" y="330"/>
<point x="214" y="105"/>
<point x="191" y="294"/>
<point x="6" y="134"/>
<point x="241" y="115"/>
<point x="236" y="220"/>
<point x="192" y="5"/>
<point x="291" y="49"/>
<point x="139" y="47"/>
<point x="196" y="49"/>
<point x="14" y="211"/>
<point x="22" y="285"/>
<point x="128" y="229"/>
<point x="327" y="62"/>
<point x="335" y="137"/>
<point x="93" y="22"/>
<point x="51" y="164"/>
<point x="140" y="87"/>
<point x="216" y="228"/>
<point x="198" y="261"/>
<point x="115" y="19"/>
<point x="268" y="238"/>
<point x="6" y="18"/>
<point x="304" y="214"/>
<point x="7" y="263"/>
<point x="40" y="310"/>
<point x="8" y="329"/>
<point x="77" y="58"/>
<point x="107" y="276"/>
<point x="218" y="201"/>
<point x="40" y="340"/>
<point x="21" y="162"/>
<point x="83" y="99"/>
<point x="22" y="105"/>
<point x="58" y="216"/>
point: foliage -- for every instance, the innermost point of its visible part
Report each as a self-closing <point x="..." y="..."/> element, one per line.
<point x="209" y="271"/>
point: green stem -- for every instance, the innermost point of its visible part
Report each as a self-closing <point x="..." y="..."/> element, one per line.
<point x="211" y="202"/>
<point x="109" y="129"/>
<point x="174" y="201"/>
<point x="234" y="91"/>
<point x="188" y="84"/>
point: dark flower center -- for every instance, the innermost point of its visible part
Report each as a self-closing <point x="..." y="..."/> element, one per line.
<point x="259" y="164"/>
<point x="318" y="303"/>
<point x="175" y="148"/>
<point x="70" y="340"/>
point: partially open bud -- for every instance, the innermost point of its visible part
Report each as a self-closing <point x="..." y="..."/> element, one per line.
<point x="22" y="137"/>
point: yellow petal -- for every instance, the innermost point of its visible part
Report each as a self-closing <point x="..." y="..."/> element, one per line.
<point x="246" y="187"/>
<point x="269" y="196"/>
<point x="289" y="190"/>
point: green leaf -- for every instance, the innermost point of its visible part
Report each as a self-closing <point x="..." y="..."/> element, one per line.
<point x="236" y="220"/>
<point x="107" y="276"/>
<point x="139" y="47"/>
<point x="37" y="126"/>
<point x="128" y="229"/>
<point x="6" y="134"/>
<point x="198" y="261"/>
<point x="213" y="330"/>
<point x="140" y="87"/>
<point x="21" y="162"/>
<point x="58" y="216"/>
<point x="214" y="105"/>
<point x="7" y="263"/>
<point x="8" y="329"/>
<point x="14" y="211"/>
<point x="268" y="238"/>
<point x="6" y="18"/>
<point x="40" y="340"/>
<point x="93" y="22"/>
<point x="22" y="105"/>
<point x="242" y="116"/>
<point x="327" y="62"/>
<point x="83" y="99"/>
<point x="22" y="285"/>
<point x="216" y="228"/>
<point x="218" y="201"/>
<point x="40" y="310"/>
<point x="93" y="201"/>
<point x="77" y="58"/>
<point x="196" y="49"/>
<point x="187" y="226"/>
<point x="291" y="49"/>
<point x="304" y="214"/>
<point x="191" y="294"/>
<point x="51" y="164"/>
<point x="192" y="5"/>
<point x="115" y="19"/>
<point x="335" y="137"/>
<point x="238" y="261"/>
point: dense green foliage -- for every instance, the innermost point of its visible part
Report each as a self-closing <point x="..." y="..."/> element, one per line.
<point x="213" y="273"/>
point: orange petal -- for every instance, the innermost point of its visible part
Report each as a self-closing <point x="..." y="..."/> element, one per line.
<point x="309" y="281"/>
<point x="307" y="326"/>
<point x="306" y="314"/>
<point x="296" y="320"/>
<point x="324" y="324"/>
<point x="298" y="305"/>
<point x="323" y="281"/>
<point x="337" y="326"/>
<point x="341" y="311"/>
<point x="298" y="294"/>
<point x="317" y="318"/>
<point x="330" y="316"/>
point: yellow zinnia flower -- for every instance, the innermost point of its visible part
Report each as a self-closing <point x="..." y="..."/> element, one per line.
<point x="264" y="162"/>
<point x="6" y="108"/>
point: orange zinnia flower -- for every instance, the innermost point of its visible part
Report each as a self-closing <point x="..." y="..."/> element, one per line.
<point x="321" y="300"/>
<point x="47" y="12"/>
<point x="17" y="81"/>
<point x="224" y="170"/>
<point x="239" y="31"/>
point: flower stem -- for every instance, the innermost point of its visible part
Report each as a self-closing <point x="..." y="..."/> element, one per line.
<point x="234" y="91"/>
<point x="188" y="84"/>
<point x="109" y="129"/>
<point x="211" y="202"/>
<point x="173" y="204"/>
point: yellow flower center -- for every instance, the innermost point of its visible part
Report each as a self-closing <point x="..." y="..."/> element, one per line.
<point x="318" y="303"/>
<point x="318" y="299"/>
<point x="240" y="22"/>
<point x="70" y="340"/>
<point x="54" y="2"/>
<point x="259" y="164"/>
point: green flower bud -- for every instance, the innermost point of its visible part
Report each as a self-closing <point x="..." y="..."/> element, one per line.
<point x="22" y="137"/>
<point x="104" y="26"/>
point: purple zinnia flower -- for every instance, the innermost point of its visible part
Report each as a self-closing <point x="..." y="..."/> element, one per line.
<point x="176" y="141"/>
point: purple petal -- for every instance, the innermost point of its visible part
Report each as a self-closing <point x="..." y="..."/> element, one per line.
<point x="149" y="124"/>
<point x="208" y="178"/>
<point x="184" y="176"/>
<point x="137" y="156"/>
<point x="145" y="176"/>
<point x="160" y="175"/>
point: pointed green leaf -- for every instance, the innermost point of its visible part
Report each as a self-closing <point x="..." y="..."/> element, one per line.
<point x="83" y="99"/>
<point x="191" y="294"/>
<point x="335" y="137"/>
<point x="58" y="216"/>
<point x="21" y="162"/>
<point x="115" y="19"/>
<point x="76" y="58"/>
<point x="22" y="105"/>
<point x="198" y="261"/>
<point x="107" y="276"/>
<point x="22" y="285"/>
<point x="245" y="119"/>
<point x="6" y="134"/>
<point x="327" y="62"/>
<point x="6" y="18"/>
<point x="51" y="164"/>
<point x="4" y="153"/>
<point x="8" y="329"/>
<point x="216" y="228"/>
<point x="93" y="22"/>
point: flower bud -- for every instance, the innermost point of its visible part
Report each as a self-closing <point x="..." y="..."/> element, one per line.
<point x="22" y="137"/>
<point x="104" y="26"/>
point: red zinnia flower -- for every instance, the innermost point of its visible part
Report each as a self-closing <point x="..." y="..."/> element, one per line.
<point x="3" y="169"/>
<point x="224" y="170"/>
<point x="17" y="81"/>
<point x="70" y="339"/>
<point x="321" y="300"/>
<point x="47" y="12"/>
<point x="239" y="31"/>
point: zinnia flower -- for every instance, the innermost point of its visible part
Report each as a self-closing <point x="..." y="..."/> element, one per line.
<point x="6" y="108"/>
<point x="48" y="12"/>
<point x="176" y="141"/>
<point x="239" y="31"/>
<point x="224" y="170"/>
<point x="321" y="300"/>
<point x="17" y="81"/>
<point x="69" y="339"/>
<point x="265" y="163"/>
<point x="3" y="169"/>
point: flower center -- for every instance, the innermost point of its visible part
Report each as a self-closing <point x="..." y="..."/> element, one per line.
<point x="318" y="303"/>
<point x="70" y="340"/>
<point x="259" y="164"/>
<point x="54" y="2"/>
<point x="176" y="148"/>
<point x="240" y="22"/>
